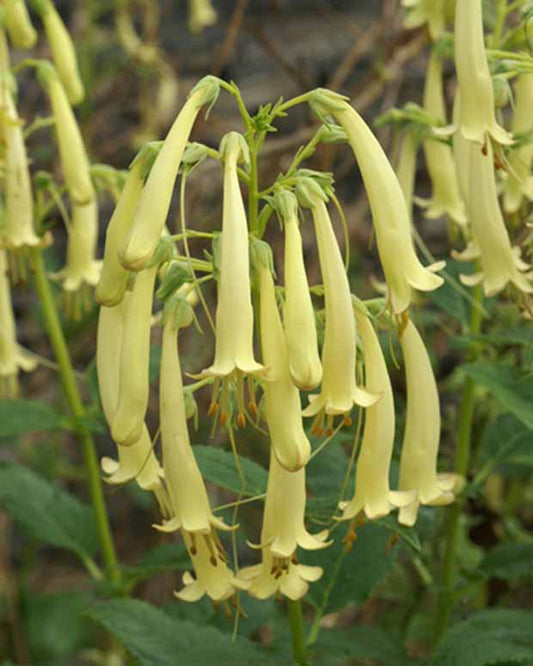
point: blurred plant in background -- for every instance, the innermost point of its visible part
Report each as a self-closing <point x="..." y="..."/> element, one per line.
<point x="368" y="376"/>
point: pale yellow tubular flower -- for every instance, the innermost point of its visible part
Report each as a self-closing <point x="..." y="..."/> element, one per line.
<point x="18" y="231"/>
<point x="18" y="24"/>
<point x="63" y="52"/>
<point x="446" y="198"/>
<point x="154" y="202"/>
<point x="201" y="15"/>
<point x="477" y="117"/>
<point x="74" y="160"/>
<point x="403" y="271"/>
<point x="406" y="168"/>
<point x="298" y="314"/>
<point x="339" y="391"/>
<point x="420" y="12"/>
<point x="418" y="464"/>
<point x="373" y="495"/>
<point x="112" y="284"/>
<point x="128" y="419"/>
<point x="519" y="181"/>
<point x="12" y="357"/>
<point x="81" y="266"/>
<point x="500" y="262"/>
<point x="282" y="532"/>
<point x="137" y="461"/>
<point x="283" y="412"/>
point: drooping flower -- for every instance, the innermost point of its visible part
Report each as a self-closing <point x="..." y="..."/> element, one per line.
<point x="63" y="52"/>
<point x="339" y="390"/>
<point x="477" y="118"/>
<point x="12" y="357"/>
<point x="282" y="532"/>
<point x="403" y="271"/>
<point x="519" y="182"/>
<point x="432" y="12"/>
<point x="446" y="198"/>
<point x="298" y="314"/>
<point x="138" y="460"/>
<point x="283" y="412"/>
<point x="373" y="495"/>
<point x="74" y="160"/>
<point x="114" y="277"/>
<point x="18" y="24"/>
<point x="189" y="503"/>
<point x="154" y="201"/>
<point x="201" y="15"/>
<point x="418" y="464"/>
<point x="500" y="262"/>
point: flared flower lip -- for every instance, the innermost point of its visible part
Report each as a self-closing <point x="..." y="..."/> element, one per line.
<point x="320" y="401"/>
<point x="194" y="590"/>
<point x="174" y="524"/>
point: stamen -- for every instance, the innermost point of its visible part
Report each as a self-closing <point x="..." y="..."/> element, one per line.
<point x="252" y="405"/>
<point x="193" y="548"/>
<point x="329" y="425"/>
<point x="211" y="548"/>
<point x="347" y="421"/>
<point x="214" y="398"/>
<point x="224" y="404"/>
<point x="318" y="423"/>
<point x="241" y="420"/>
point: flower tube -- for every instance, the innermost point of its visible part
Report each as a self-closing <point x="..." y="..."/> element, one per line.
<point x="406" y="168"/>
<point x="137" y="461"/>
<point x="19" y="26"/>
<point x="282" y="532"/>
<point x="298" y="314"/>
<point x="63" y="53"/>
<point x="432" y="12"/>
<point x="74" y="160"/>
<point x="446" y="198"/>
<point x="283" y="412"/>
<point x="477" y="116"/>
<point x="500" y="262"/>
<point x="519" y="182"/>
<point x="189" y="503"/>
<point x="339" y="391"/>
<point x="373" y="495"/>
<point x="154" y="202"/>
<point x="403" y="271"/>
<point x="418" y="473"/>
<point x="12" y="357"/>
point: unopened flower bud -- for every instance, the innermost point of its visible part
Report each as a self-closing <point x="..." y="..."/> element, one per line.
<point x="19" y="26"/>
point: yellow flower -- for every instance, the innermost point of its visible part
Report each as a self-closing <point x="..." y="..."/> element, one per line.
<point x="63" y="53"/>
<point x="128" y="419"/>
<point x="298" y="314"/>
<point x="401" y="266"/>
<point x="420" y="447"/>
<point x="519" y="182"/>
<point x="138" y="460"/>
<point x="446" y="198"/>
<point x="74" y="161"/>
<point x="500" y="262"/>
<point x="282" y="532"/>
<point x="18" y="24"/>
<point x="283" y="412"/>
<point x="154" y="202"/>
<point x="189" y="503"/>
<point x="476" y="115"/>
<point x="432" y="12"/>
<point x="12" y="357"/>
<point x="406" y="168"/>
<point x="339" y="391"/>
<point x="373" y="495"/>
<point x="81" y="267"/>
<point x="201" y="15"/>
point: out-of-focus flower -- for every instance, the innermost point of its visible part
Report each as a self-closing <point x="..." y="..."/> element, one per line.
<point x="418" y="464"/>
<point x="373" y="495"/>
<point x="18" y="24"/>
<point x="477" y="119"/>
<point x="432" y="12"/>
<point x="201" y="15"/>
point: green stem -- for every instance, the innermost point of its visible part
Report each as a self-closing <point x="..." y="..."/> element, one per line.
<point x="462" y="460"/>
<point x="253" y="189"/>
<point x="296" y="621"/>
<point x="315" y="628"/>
<point x="61" y="352"/>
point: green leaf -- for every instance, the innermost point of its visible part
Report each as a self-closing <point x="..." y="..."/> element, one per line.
<point x="325" y="475"/>
<point x="218" y="466"/>
<point x="155" y="639"/>
<point x="514" y="392"/>
<point x="361" y="569"/>
<point x="165" y="557"/>
<point x="489" y="637"/>
<point x="46" y="512"/>
<point x="507" y="441"/>
<point x="21" y="416"/>
<point x="509" y="561"/>
<point x="362" y="645"/>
